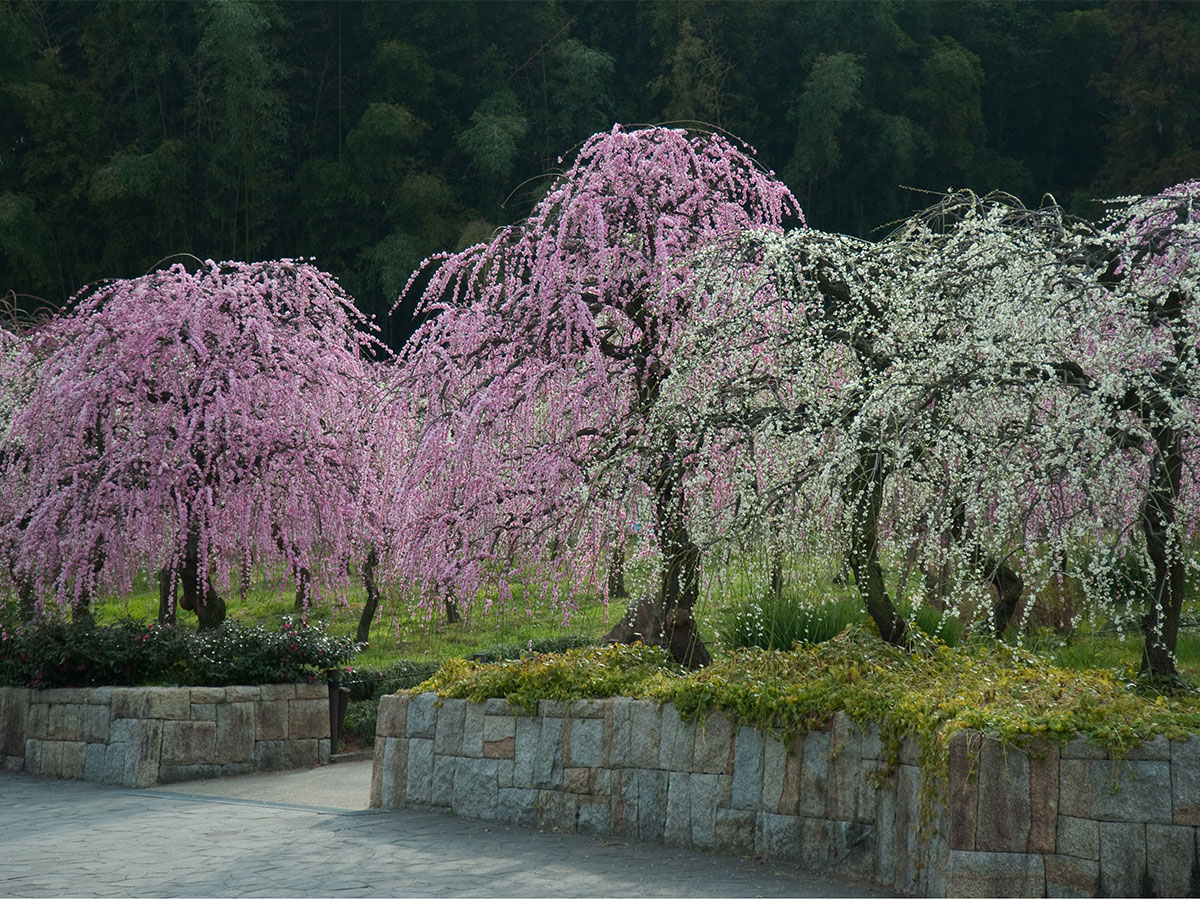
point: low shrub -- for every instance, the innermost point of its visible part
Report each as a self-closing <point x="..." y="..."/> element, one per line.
<point x="79" y="654"/>
<point x="929" y="692"/>
<point x="777" y="622"/>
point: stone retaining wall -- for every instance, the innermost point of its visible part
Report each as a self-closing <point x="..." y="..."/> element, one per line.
<point x="1057" y="821"/>
<point x="141" y="736"/>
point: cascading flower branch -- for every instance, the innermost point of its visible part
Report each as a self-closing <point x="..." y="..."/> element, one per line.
<point x="547" y="349"/>
<point x="192" y="423"/>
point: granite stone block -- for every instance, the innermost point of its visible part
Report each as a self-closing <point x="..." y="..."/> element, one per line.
<point x="204" y="695"/>
<point x="277" y="692"/>
<point x="472" y="744"/>
<point x="714" y="744"/>
<point x="734" y="831"/>
<point x="1185" y="782"/>
<point x="595" y="815"/>
<point x="170" y="774"/>
<point x="747" y="769"/>
<point x="475" y="788"/>
<point x="1171" y="860"/>
<point x="1078" y="837"/>
<point x="517" y="805"/>
<point x="72" y="759"/>
<point x="528" y="737"/>
<point x="189" y="743"/>
<point x="981" y="873"/>
<point x="114" y="764"/>
<point x="392" y="720"/>
<point x="703" y="813"/>
<point x="93" y="762"/>
<point x="1071" y="876"/>
<point x="817" y="847"/>
<point x="268" y="756"/>
<point x="314" y="690"/>
<point x="143" y="746"/>
<point x="963" y="799"/>
<point x="236" y="728"/>
<point x="885" y="833"/>
<point x="1004" y="794"/>
<point x="418" y="786"/>
<point x="548" y="758"/>
<point x="1123" y="869"/>
<point x="854" y="849"/>
<point x="776" y="836"/>
<point x="393" y="765"/>
<point x="64" y="722"/>
<point x="246" y="693"/>
<point x="308" y="719"/>
<point x="558" y="810"/>
<point x="14" y="720"/>
<point x="620" y="753"/>
<point x="422" y="716"/>
<point x="448" y="733"/>
<point x="444" y="768"/>
<point x="205" y="712"/>
<point x="585" y="742"/>
<point x="645" y="734"/>
<point x="95" y="724"/>
<point x="302" y="753"/>
<point x="814" y="775"/>
<point x="677" y="827"/>
<point x="270" y="719"/>
<point x="651" y="804"/>
<point x="678" y="741"/>
<point x="37" y="721"/>
<point x="774" y="768"/>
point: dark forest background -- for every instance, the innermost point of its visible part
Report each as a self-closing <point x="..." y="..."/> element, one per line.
<point x="368" y="135"/>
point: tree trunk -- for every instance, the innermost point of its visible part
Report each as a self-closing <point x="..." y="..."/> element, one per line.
<point x="1161" y="622"/>
<point x="303" y="583"/>
<point x="866" y="497"/>
<point x="203" y="599"/>
<point x="776" y="586"/>
<point x="82" y="610"/>
<point x="453" y="616"/>
<point x="663" y="617"/>
<point x="363" y="634"/>
<point x="1009" y="586"/>
<point x="166" y="597"/>
<point x="616" y="573"/>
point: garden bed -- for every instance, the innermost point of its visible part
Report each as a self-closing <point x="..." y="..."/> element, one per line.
<point x="975" y="771"/>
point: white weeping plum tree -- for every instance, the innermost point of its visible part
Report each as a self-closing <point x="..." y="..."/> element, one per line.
<point x="547" y="350"/>
<point x="991" y="388"/>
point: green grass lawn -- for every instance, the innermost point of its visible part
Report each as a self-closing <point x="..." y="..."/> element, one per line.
<point x="402" y="633"/>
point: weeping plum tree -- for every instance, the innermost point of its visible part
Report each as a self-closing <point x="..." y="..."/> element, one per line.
<point x="857" y="393"/>
<point x="191" y="423"/>
<point x="1146" y="371"/>
<point x="547" y="352"/>
<point x="990" y="388"/>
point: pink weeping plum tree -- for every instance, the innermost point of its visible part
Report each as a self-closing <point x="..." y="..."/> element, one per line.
<point x="194" y="424"/>
<point x="544" y="353"/>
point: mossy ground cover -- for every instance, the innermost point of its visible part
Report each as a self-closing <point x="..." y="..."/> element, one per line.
<point x="928" y="692"/>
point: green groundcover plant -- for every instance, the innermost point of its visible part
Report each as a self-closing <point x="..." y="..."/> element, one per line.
<point x="929" y="692"/>
<point x="63" y="654"/>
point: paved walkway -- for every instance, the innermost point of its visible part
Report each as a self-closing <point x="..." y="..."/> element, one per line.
<point x="309" y="834"/>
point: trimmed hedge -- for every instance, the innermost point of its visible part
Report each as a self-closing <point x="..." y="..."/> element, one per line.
<point x="81" y="654"/>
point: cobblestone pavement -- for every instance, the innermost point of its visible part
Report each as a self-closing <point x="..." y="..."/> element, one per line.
<point x="238" y="838"/>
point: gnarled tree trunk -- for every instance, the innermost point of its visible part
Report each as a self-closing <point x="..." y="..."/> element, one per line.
<point x="865" y="495"/>
<point x="363" y="634"/>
